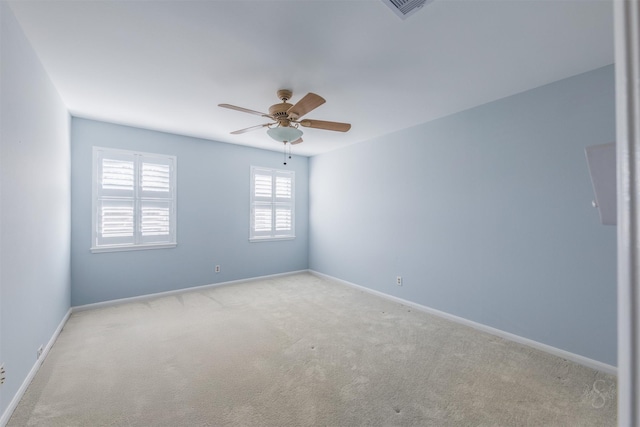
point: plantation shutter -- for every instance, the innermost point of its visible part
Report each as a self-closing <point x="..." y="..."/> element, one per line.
<point x="272" y="204"/>
<point x="134" y="199"/>
<point x="116" y="199"/>
<point x="283" y="203"/>
<point x="156" y="199"/>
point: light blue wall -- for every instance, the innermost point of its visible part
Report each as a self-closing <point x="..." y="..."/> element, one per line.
<point x="34" y="206"/>
<point x="486" y="214"/>
<point x="213" y="217"/>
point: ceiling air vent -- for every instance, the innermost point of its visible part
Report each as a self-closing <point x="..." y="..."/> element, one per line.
<point x="405" y="8"/>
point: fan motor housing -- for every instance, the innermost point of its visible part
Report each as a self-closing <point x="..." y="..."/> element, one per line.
<point x="279" y="111"/>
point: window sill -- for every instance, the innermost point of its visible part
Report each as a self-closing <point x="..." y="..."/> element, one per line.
<point x="122" y="248"/>
<point x="270" y="239"/>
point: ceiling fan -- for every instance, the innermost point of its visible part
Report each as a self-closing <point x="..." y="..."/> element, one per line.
<point x="286" y="118"/>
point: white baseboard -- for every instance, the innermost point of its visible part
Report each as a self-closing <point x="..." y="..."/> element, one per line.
<point x="32" y="373"/>
<point x="585" y="361"/>
<point x="177" y="291"/>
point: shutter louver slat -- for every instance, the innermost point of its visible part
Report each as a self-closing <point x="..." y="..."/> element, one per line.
<point x="116" y="220"/>
<point x="117" y="175"/>
<point x="283" y="219"/>
<point x="156" y="177"/>
<point x="283" y="187"/>
<point x="262" y="219"/>
<point x="263" y="186"/>
<point x="155" y="221"/>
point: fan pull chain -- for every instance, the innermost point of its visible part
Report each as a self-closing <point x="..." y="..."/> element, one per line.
<point x="284" y="153"/>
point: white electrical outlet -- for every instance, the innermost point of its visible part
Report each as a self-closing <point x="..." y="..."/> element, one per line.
<point x="399" y="280"/>
<point x="217" y="269"/>
<point x="3" y="374"/>
<point x="39" y="352"/>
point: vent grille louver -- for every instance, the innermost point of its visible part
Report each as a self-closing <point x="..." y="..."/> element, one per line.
<point x="405" y="8"/>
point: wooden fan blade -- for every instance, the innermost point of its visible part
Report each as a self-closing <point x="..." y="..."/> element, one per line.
<point x="309" y="102"/>
<point x="297" y="141"/>
<point x="321" y="124"/>
<point x="237" y="132"/>
<point x="244" y="110"/>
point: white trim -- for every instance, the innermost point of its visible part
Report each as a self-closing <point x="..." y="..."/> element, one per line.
<point x="6" y="416"/>
<point x="122" y="248"/>
<point x="627" y="59"/>
<point x="147" y="297"/>
<point x="585" y="361"/>
<point x="270" y="239"/>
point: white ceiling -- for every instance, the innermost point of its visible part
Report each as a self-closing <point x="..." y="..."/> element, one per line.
<point x="166" y="65"/>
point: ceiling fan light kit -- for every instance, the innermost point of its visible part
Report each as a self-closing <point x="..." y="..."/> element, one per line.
<point x="284" y="134"/>
<point x="286" y="118"/>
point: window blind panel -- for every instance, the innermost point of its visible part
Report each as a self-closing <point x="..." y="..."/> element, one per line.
<point x="116" y="219"/>
<point x="284" y="219"/>
<point x="155" y="177"/>
<point x="263" y="186"/>
<point x="283" y="187"/>
<point x="115" y="222"/>
<point x="155" y="219"/>
<point x="117" y="175"/>
<point x="262" y="219"/>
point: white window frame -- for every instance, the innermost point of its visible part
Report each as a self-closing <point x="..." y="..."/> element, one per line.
<point x="138" y="198"/>
<point x="272" y="203"/>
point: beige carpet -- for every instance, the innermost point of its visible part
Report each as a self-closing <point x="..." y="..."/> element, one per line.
<point x="300" y="351"/>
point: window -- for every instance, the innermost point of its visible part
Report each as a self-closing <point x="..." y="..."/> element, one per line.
<point x="272" y="204"/>
<point x="134" y="200"/>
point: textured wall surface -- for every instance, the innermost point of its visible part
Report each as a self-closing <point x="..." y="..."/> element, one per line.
<point x="486" y="214"/>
